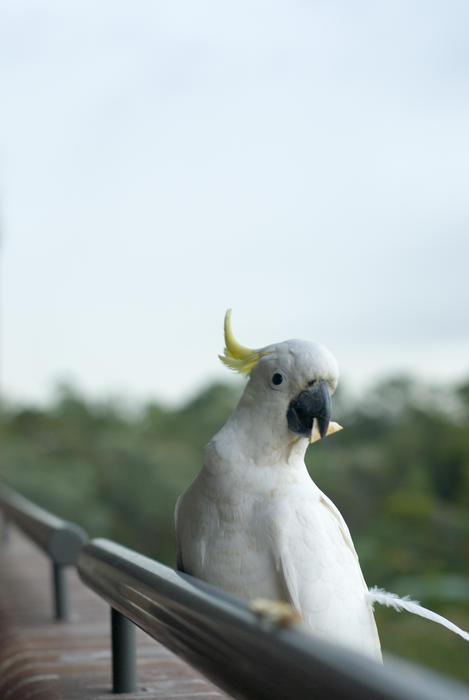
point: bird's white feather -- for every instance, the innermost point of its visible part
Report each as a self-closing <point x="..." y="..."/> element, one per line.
<point x="254" y="523"/>
<point x="391" y="600"/>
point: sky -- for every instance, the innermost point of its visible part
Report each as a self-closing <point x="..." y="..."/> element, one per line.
<point x="303" y="163"/>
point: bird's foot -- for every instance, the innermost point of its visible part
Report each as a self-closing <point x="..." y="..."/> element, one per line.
<point x="276" y="612"/>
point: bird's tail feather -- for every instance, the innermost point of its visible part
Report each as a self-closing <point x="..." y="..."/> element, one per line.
<point x="391" y="600"/>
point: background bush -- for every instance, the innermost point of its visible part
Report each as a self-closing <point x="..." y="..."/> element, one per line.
<point x="399" y="473"/>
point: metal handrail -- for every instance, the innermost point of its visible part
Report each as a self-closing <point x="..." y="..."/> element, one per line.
<point x="61" y="540"/>
<point x="220" y="636"/>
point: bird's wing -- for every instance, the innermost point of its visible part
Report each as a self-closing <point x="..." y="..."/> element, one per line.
<point x="342" y="525"/>
<point x="320" y="570"/>
<point x="314" y="543"/>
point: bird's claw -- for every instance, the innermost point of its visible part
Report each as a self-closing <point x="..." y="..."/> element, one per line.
<point x="276" y="612"/>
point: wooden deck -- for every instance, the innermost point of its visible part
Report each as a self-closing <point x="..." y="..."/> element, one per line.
<point x="43" y="658"/>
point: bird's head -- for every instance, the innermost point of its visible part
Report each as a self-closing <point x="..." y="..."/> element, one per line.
<point x="290" y="386"/>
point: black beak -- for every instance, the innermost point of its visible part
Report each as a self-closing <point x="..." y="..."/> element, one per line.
<point x="314" y="402"/>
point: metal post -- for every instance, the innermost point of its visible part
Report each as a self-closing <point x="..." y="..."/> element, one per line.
<point x="124" y="665"/>
<point x="61" y="605"/>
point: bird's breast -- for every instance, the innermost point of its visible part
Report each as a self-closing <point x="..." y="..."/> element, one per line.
<point x="224" y="533"/>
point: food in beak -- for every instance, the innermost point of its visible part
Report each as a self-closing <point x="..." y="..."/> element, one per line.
<point x="316" y="435"/>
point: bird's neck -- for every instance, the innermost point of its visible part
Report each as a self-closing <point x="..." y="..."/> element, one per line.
<point x="248" y="440"/>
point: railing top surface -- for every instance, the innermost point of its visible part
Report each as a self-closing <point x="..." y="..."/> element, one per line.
<point x="60" y="539"/>
<point x="218" y="634"/>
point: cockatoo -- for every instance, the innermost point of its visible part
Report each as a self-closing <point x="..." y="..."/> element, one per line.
<point x="254" y="523"/>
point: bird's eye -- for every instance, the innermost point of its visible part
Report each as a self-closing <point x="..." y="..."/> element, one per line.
<point x="277" y="379"/>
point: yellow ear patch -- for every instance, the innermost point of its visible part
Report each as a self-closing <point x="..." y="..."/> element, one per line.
<point x="236" y="356"/>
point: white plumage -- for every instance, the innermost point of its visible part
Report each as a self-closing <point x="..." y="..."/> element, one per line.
<point x="254" y="523"/>
<point x="391" y="600"/>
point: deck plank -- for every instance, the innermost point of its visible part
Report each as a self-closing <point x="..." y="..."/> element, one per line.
<point x="44" y="658"/>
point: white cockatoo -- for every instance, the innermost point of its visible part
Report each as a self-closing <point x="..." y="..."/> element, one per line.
<point x="254" y="523"/>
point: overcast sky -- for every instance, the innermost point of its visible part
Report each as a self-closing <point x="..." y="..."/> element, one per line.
<point x="305" y="163"/>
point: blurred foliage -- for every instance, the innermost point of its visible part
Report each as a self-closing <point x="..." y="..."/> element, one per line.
<point x="399" y="473"/>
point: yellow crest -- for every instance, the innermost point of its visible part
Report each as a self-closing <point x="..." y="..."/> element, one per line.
<point x="236" y="356"/>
